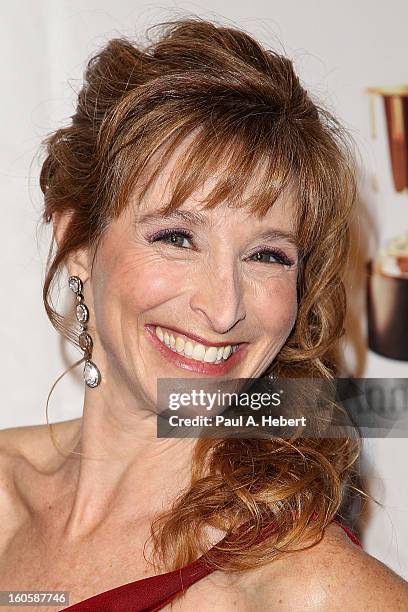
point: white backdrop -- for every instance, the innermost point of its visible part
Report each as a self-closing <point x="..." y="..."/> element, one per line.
<point x="339" y="49"/>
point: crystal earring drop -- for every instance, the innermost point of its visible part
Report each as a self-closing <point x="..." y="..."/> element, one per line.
<point x="92" y="375"/>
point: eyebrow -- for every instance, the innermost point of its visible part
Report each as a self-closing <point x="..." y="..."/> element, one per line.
<point x="189" y="216"/>
<point x="202" y="220"/>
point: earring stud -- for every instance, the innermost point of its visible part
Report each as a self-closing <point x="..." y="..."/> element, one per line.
<point x="91" y="373"/>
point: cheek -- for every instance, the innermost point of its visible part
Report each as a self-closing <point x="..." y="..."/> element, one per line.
<point x="277" y="307"/>
<point x="150" y="289"/>
<point x="139" y="284"/>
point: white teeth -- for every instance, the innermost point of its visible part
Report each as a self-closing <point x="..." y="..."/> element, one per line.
<point x="210" y="354"/>
<point x="227" y="351"/>
<point x="188" y="348"/>
<point x="179" y="345"/>
<point x="198" y="352"/>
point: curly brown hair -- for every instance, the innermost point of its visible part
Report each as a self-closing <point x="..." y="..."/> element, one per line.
<point x="248" y="111"/>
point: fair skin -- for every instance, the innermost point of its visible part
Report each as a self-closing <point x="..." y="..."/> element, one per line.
<point x="79" y="522"/>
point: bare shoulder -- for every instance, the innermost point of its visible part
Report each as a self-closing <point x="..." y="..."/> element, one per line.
<point x="25" y="454"/>
<point x="334" y="575"/>
<point x="33" y="443"/>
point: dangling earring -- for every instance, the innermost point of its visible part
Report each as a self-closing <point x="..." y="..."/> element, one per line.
<point x="92" y="375"/>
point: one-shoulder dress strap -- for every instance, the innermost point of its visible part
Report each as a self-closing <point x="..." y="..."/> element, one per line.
<point x="145" y="595"/>
<point x="349" y="532"/>
<point x="153" y="593"/>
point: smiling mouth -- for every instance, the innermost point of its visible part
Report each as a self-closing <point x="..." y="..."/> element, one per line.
<point x="187" y="347"/>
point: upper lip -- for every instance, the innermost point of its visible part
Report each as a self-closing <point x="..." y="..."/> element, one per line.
<point x="193" y="336"/>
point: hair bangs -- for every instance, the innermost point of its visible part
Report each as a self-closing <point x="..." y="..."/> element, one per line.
<point x="244" y="170"/>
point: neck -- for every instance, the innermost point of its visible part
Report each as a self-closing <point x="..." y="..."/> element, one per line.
<point x="120" y="467"/>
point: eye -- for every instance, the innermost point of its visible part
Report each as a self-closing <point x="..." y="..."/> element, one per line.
<point x="177" y="238"/>
<point x="172" y="236"/>
<point x="273" y="256"/>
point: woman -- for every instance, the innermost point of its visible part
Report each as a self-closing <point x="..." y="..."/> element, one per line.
<point x="200" y="203"/>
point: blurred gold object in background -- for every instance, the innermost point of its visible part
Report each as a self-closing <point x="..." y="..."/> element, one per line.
<point x="395" y="99"/>
<point x="387" y="273"/>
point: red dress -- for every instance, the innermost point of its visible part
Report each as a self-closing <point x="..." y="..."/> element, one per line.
<point x="151" y="594"/>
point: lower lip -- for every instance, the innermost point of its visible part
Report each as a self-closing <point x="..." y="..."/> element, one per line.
<point x="192" y="365"/>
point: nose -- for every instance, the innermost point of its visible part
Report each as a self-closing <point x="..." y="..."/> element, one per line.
<point x="218" y="298"/>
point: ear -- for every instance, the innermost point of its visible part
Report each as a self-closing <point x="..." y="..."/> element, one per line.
<point x="77" y="263"/>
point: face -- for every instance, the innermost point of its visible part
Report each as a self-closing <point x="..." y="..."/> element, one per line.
<point x="196" y="294"/>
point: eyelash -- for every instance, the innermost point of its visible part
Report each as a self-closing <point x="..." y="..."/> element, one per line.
<point x="277" y="253"/>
